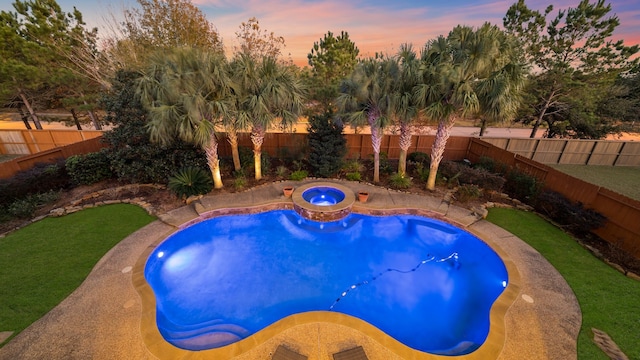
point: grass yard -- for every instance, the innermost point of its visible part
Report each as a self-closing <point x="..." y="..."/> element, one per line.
<point x="8" y="157"/>
<point x="621" y="179"/>
<point x="608" y="300"/>
<point x="41" y="264"/>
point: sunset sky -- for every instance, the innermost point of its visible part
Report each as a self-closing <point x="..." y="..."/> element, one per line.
<point x="374" y="25"/>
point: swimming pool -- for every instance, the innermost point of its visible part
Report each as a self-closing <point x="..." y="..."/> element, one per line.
<point x="425" y="283"/>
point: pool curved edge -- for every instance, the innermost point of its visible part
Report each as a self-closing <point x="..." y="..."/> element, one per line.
<point x="158" y="346"/>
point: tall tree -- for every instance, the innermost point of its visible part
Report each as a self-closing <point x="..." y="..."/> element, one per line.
<point x="461" y="75"/>
<point x="366" y="97"/>
<point x="273" y="93"/>
<point x="331" y="59"/>
<point x="187" y="93"/>
<point x="157" y="25"/>
<point x="568" y="53"/>
<point x="257" y="42"/>
<point x="406" y="109"/>
<point x="29" y="65"/>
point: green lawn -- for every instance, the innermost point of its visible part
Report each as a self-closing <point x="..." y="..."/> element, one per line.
<point x="609" y="301"/>
<point x="621" y="179"/>
<point x="8" y="157"/>
<point x="41" y="264"/>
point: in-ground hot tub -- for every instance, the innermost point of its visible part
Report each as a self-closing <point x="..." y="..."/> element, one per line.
<point x="323" y="201"/>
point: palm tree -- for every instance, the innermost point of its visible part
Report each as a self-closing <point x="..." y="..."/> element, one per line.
<point x="187" y="94"/>
<point x="272" y="92"/>
<point x="243" y="74"/>
<point x="406" y="110"/>
<point x="366" y="97"/>
<point x="467" y="73"/>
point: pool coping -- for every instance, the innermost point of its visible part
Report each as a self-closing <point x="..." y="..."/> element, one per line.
<point x="490" y="349"/>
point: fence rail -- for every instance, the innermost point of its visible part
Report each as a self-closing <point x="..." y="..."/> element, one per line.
<point x="10" y="168"/>
<point x="622" y="227"/>
<point x="27" y="142"/>
<point x="573" y="151"/>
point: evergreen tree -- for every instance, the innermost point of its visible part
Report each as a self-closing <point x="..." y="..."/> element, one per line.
<point x="327" y="145"/>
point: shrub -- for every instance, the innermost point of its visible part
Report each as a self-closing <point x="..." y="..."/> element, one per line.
<point x="327" y="146"/>
<point x="398" y="181"/>
<point x="422" y="172"/>
<point x="418" y="157"/>
<point x="89" y="168"/>
<point x="521" y="186"/>
<point x="353" y="166"/>
<point x="41" y="178"/>
<point x="468" y="192"/>
<point x="281" y="171"/>
<point x="239" y="182"/>
<point x="573" y="217"/>
<point x="25" y="207"/>
<point x="353" y="176"/>
<point x="246" y="157"/>
<point x="491" y="165"/>
<point x="190" y="181"/>
<point x="385" y="164"/>
<point x="298" y="175"/>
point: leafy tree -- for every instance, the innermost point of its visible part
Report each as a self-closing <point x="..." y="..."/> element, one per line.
<point x="132" y="155"/>
<point x="187" y="94"/>
<point x="158" y="25"/>
<point x="624" y="104"/>
<point x="569" y="53"/>
<point x="30" y="66"/>
<point x="332" y="59"/>
<point x="327" y="145"/>
<point x="469" y="72"/>
<point x="257" y="42"/>
<point x="366" y="98"/>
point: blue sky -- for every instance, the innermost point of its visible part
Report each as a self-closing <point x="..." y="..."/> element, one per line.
<point x="374" y="26"/>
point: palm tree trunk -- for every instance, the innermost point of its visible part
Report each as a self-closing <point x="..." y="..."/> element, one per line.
<point x="257" y="138"/>
<point x="232" y="138"/>
<point x="34" y="117"/>
<point x="376" y="139"/>
<point x="211" y="150"/>
<point x="405" y="144"/>
<point x="437" y="150"/>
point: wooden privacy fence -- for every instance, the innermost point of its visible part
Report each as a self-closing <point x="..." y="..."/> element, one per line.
<point x="28" y="142"/>
<point x="358" y="145"/>
<point x="9" y="168"/>
<point x="573" y="151"/>
<point x="622" y="227"/>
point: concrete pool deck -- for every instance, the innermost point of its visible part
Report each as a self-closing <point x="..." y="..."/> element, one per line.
<point x="102" y="318"/>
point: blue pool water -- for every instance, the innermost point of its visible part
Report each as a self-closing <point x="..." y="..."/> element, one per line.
<point x="323" y="196"/>
<point x="426" y="283"/>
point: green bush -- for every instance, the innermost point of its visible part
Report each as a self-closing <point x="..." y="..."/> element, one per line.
<point x="571" y="216"/>
<point x="246" y="157"/>
<point x="468" y="192"/>
<point x="239" y="182"/>
<point x="24" y="208"/>
<point x="89" y="168"/>
<point x="418" y="157"/>
<point x="398" y="181"/>
<point x="353" y="176"/>
<point x="298" y="175"/>
<point x="190" y="181"/>
<point x="281" y="171"/>
<point x="353" y="166"/>
<point x="521" y="186"/>
<point x="327" y="146"/>
<point x="41" y="178"/>
<point x="422" y="172"/>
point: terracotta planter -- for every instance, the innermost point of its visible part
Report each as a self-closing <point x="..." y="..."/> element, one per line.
<point x="287" y="190"/>
<point x="363" y="196"/>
